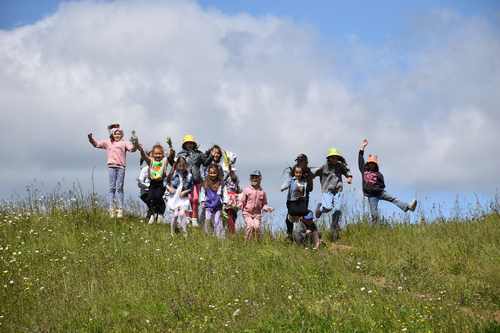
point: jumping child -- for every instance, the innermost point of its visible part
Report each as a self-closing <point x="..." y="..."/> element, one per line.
<point x="157" y="173"/>
<point x="296" y="199"/>
<point x="143" y="183"/>
<point x="179" y="185"/>
<point x="214" y="198"/>
<point x="253" y="201"/>
<point x="374" y="185"/>
<point x="195" y="159"/>
<point x="330" y="176"/>
<point x="116" y="150"/>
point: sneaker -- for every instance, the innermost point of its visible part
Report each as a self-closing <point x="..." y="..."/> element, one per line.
<point x="289" y="239"/>
<point x="194" y="222"/>
<point x="412" y="205"/>
<point x="188" y="220"/>
<point x="152" y="219"/>
<point x="318" y="212"/>
<point x="119" y="213"/>
<point x="160" y="219"/>
<point x="111" y="213"/>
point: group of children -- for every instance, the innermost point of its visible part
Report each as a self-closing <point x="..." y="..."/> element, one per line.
<point x="209" y="178"/>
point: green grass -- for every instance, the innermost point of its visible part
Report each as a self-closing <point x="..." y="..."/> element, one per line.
<point x="74" y="269"/>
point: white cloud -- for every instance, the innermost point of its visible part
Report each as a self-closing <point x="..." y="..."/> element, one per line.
<point x="263" y="87"/>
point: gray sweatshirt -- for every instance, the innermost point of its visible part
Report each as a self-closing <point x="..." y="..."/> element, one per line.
<point x="330" y="176"/>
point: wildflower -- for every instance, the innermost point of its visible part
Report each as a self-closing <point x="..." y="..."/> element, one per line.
<point x="362" y="288"/>
<point x="235" y="313"/>
<point x="289" y="296"/>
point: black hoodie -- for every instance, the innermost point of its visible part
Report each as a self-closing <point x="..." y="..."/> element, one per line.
<point x="373" y="181"/>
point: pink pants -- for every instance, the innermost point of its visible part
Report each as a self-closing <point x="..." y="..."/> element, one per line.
<point x="252" y="225"/>
<point x="193" y="198"/>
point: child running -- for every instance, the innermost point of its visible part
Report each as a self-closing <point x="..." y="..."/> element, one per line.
<point x="214" y="198"/>
<point x="374" y="185"/>
<point x="179" y="185"/>
<point x="330" y="176"/>
<point x="143" y="183"/>
<point x="157" y="173"/>
<point x="307" y="231"/>
<point x="296" y="202"/>
<point x="233" y="190"/>
<point x="253" y="201"/>
<point x="116" y="150"/>
<point x="195" y="159"/>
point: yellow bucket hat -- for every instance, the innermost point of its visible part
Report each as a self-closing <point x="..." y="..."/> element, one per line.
<point x="333" y="152"/>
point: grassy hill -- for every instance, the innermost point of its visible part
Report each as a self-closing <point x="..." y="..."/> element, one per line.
<point x="76" y="270"/>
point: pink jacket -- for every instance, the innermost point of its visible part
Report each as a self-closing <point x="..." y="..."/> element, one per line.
<point x="253" y="201"/>
<point x="115" y="152"/>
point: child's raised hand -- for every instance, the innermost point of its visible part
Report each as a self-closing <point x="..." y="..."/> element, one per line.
<point x="89" y="136"/>
<point x="364" y="144"/>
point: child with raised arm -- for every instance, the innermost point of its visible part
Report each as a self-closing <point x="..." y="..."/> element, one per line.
<point x="179" y="184"/>
<point x="143" y="183"/>
<point x="157" y="173"/>
<point x="253" y="201"/>
<point x="330" y="176"/>
<point x="214" y="198"/>
<point x="195" y="159"/>
<point x="374" y="185"/>
<point x="116" y="150"/>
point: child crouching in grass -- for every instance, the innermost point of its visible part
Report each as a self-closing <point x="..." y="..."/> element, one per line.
<point x="307" y="231"/>
<point x="253" y="202"/>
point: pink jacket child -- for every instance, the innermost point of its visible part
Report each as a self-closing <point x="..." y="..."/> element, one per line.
<point x="253" y="201"/>
<point x="116" y="150"/>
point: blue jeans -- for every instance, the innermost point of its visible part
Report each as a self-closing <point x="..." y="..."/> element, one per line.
<point x="373" y="202"/>
<point x="329" y="202"/>
<point x="116" y="177"/>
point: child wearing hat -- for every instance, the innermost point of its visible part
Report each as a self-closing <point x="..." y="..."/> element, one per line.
<point x="195" y="159"/>
<point x="307" y="231"/>
<point x="116" y="149"/>
<point x="253" y="201"/>
<point x="374" y="185"/>
<point x="330" y="176"/>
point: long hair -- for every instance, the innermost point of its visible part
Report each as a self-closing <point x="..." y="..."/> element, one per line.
<point x="209" y="183"/>
<point x="219" y="149"/>
<point x="180" y="161"/>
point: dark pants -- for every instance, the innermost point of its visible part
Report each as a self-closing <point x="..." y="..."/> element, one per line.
<point x="289" y="225"/>
<point x="155" y="197"/>
<point x="144" y="198"/>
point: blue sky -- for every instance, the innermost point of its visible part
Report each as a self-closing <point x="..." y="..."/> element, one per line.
<point x="419" y="79"/>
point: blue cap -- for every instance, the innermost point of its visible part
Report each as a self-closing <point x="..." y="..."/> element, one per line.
<point x="309" y="216"/>
<point x="255" y="173"/>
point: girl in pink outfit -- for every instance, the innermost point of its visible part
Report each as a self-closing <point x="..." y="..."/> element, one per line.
<point x="253" y="201"/>
<point x="116" y="150"/>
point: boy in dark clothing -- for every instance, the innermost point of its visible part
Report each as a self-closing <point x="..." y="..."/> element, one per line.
<point x="373" y="185"/>
<point x="307" y="231"/>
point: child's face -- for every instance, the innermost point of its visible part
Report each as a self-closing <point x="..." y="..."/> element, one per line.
<point x="216" y="153"/>
<point x="158" y="154"/>
<point x="298" y="173"/>
<point x="255" y="180"/>
<point x="212" y="173"/>
<point x="308" y="221"/>
<point x="370" y="166"/>
<point x="181" y="167"/>
<point x="332" y="160"/>
<point x="189" y="145"/>
<point x="117" y="135"/>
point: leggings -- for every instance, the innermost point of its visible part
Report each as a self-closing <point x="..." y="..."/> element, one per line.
<point x="116" y="177"/>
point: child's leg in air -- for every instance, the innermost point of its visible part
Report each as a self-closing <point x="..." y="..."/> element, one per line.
<point x="388" y="197"/>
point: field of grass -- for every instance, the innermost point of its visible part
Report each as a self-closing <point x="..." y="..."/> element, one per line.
<point x="74" y="269"/>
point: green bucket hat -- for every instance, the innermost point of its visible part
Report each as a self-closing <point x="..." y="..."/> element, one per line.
<point x="333" y="152"/>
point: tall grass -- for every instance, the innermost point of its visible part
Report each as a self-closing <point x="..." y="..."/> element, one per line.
<point x="65" y="266"/>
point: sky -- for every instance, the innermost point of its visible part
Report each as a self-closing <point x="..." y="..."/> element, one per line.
<point x="267" y="80"/>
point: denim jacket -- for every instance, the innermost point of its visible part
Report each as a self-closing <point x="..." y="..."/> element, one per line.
<point x="294" y="191"/>
<point x="187" y="181"/>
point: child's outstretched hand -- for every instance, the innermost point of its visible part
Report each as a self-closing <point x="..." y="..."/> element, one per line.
<point x="364" y="144"/>
<point x="349" y="180"/>
<point x="89" y="136"/>
<point x="282" y="189"/>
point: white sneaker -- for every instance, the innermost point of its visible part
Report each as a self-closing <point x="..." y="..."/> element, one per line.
<point x="194" y="222"/>
<point x="412" y="205"/>
<point x="111" y="213"/>
<point x="120" y="213"/>
<point x="188" y="220"/>
<point x="160" y="219"/>
<point x="152" y="219"/>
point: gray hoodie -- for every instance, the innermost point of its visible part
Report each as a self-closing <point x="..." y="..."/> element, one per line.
<point x="330" y="177"/>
